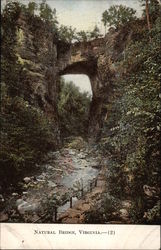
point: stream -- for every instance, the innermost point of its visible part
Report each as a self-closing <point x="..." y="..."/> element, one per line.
<point x="85" y="170"/>
<point x="66" y="172"/>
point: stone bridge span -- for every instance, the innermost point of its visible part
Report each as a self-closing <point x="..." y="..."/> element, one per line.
<point x="89" y="58"/>
<point x="82" y="58"/>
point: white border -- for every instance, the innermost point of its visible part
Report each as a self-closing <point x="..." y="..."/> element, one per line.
<point x="24" y="236"/>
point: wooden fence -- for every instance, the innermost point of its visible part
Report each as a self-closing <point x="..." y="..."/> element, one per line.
<point x="79" y="193"/>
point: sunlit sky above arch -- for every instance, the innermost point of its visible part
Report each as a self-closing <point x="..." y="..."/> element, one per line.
<point x="84" y="15"/>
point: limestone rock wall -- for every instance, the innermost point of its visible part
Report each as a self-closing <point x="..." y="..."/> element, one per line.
<point x="37" y="53"/>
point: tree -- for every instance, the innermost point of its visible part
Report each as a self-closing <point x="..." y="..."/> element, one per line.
<point x="104" y="19"/>
<point x="95" y="33"/>
<point x="151" y="10"/>
<point x="118" y="15"/>
<point x="147" y="15"/>
<point x="32" y="7"/>
<point x="46" y="13"/>
<point x="82" y="36"/>
<point x="66" y="34"/>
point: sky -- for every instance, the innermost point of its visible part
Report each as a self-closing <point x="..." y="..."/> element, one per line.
<point x="81" y="81"/>
<point x="84" y="15"/>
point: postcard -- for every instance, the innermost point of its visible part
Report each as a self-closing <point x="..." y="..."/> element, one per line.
<point x="80" y="124"/>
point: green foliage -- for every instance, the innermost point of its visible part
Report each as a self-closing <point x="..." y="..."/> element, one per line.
<point x="95" y="33"/>
<point x="32" y="7"/>
<point x="73" y="108"/>
<point x="46" y="13"/>
<point x="153" y="215"/>
<point x="105" y="19"/>
<point x="10" y="66"/>
<point x="118" y="15"/>
<point x="75" y="142"/>
<point x="132" y="132"/>
<point x="153" y="7"/>
<point x="82" y="36"/>
<point x="26" y="133"/>
<point x="33" y="10"/>
<point x="66" y="34"/>
<point x="43" y="11"/>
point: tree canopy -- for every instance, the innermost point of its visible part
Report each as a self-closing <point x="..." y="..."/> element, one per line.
<point x="95" y="33"/>
<point x="66" y="34"/>
<point x="118" y="15"/>
<point x="32" y="7"/>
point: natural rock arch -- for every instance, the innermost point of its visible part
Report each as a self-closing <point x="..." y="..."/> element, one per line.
<point x="45" y="59"/>
<point x="84" y="58"/>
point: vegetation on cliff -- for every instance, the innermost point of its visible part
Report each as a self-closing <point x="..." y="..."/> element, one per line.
<point x="132" y="131"/>
<point x="26" y="132"/>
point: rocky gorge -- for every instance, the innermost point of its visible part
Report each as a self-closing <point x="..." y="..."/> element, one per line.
<point x="112" y="174"/>
<point x="45" y="60"/>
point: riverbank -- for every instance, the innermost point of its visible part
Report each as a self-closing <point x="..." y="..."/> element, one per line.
<point x="63" y="176"/>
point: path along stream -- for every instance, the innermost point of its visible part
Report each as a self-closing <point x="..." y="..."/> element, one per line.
<point x="67" y="171"/>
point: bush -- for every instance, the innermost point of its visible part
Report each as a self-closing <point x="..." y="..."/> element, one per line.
<point x="26" y="136"/>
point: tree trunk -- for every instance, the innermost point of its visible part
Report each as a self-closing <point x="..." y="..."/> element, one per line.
<point x="147" y="15"/>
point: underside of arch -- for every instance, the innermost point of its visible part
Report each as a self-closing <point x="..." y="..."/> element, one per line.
<point x="84" y="67"/>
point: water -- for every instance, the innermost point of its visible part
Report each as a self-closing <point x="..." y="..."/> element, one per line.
<point x="82" y="173"/>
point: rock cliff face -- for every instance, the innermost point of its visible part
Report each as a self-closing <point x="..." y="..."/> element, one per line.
<point x="37" y="53"/>
<point x="44" y="59"/>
